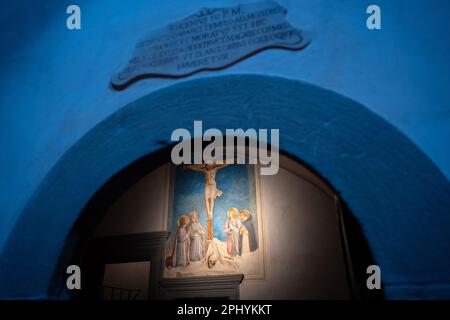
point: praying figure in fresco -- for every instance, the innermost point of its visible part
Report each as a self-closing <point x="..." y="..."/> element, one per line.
<point x="196" y="250"/>
<point x="248" y="240"/>
<point x="211" y="191"/>
<point x="231" y="228"/>
<point x="180" y="251"/>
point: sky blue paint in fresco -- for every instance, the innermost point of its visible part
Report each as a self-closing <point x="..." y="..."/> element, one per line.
<point x="239" y="190"/>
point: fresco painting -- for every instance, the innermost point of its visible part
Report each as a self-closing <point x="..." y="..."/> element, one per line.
<point x="215" y="222"/>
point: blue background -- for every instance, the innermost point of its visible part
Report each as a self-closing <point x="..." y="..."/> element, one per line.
<point x="237" y="182"/>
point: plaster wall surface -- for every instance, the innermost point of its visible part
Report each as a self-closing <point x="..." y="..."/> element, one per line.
<point x="55" y="82"/>
<point x="304" y="258"/>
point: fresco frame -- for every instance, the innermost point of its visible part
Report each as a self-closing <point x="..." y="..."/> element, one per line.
<point x="261" y="276"/>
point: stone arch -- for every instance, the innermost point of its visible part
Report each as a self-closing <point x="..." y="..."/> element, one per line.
<point x="396" y="193"/>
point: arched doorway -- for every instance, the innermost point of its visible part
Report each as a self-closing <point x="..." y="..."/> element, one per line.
<point x="402" y="215"/>
<point x="308" y="239"/>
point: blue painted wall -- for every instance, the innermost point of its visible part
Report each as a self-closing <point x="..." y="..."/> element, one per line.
<point x="401" y="204"/>
<point x="55" y="82"/>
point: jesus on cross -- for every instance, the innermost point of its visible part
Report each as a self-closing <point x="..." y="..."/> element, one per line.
<point x="211" y="191"/>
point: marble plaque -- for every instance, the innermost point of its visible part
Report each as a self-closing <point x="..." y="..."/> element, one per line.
<point x="211" y="39"/>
